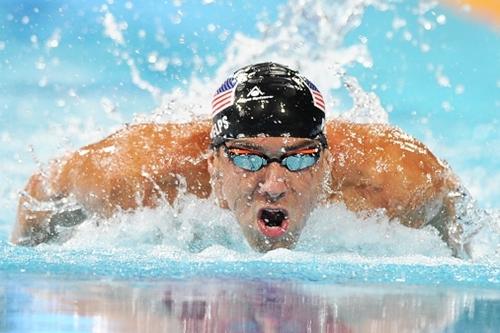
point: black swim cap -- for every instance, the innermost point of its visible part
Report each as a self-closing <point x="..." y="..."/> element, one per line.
<point x="267" y="99"/>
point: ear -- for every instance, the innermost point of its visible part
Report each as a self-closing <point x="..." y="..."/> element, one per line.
<point x="216" y="178"/>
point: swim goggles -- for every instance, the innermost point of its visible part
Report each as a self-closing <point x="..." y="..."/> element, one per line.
<point x="252" y="161"/>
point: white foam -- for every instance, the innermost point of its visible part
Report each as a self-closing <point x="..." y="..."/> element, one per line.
<point x="335" y="229"/>
<point x="191" y="225"/>
<point x="195" y="229"/>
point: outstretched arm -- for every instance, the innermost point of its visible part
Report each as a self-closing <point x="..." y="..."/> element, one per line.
<point x="137" y="166"/>
<point x="380" y="167"/>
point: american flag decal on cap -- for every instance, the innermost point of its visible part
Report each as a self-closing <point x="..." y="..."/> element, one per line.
<point x="318" y="100"/>
<point x="224" y="96"/>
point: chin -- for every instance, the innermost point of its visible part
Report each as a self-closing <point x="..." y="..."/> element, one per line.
<point x="264" y="244"/>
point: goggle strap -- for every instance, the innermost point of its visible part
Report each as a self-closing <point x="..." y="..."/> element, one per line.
<point x="306" y="151"/>
<point x="241" y="151"/>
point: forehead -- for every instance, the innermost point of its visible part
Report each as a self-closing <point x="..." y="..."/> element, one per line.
<point x="271" y="143"/>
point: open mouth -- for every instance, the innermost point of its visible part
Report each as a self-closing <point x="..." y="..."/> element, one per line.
<point x="273" y="222"/>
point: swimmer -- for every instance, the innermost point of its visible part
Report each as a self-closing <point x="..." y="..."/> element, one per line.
<point x="267" y="155"/>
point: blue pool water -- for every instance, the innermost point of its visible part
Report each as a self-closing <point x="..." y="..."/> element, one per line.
<point x="73" y="72"/>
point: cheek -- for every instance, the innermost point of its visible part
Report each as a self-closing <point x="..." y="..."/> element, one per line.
<point x="309" y="185"/>
<point x="238" y="186"/>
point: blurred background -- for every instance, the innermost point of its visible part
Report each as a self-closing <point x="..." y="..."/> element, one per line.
<point x="72" y="72"/>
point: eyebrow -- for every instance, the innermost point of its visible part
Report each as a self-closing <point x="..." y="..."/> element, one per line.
<point x="258" y="148"/>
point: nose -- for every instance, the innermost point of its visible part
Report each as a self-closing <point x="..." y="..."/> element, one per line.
<point x="274" y="185"/>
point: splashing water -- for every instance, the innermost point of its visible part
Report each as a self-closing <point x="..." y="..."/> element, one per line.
<point x="325" y="59"/>
<point x="308" y="35"/>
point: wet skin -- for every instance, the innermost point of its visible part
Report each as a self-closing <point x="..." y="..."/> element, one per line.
<point x="370" y="167"/>
<point x="273" y="187"/>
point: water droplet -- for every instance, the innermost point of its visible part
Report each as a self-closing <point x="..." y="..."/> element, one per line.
<point x="407" y="36"/>
<point x="443" y="80"/>
<point x="211" y="27"/>
<point x="441" y="19"/>
<point x="160" y="65"/>
<point x="107" y="105"/>
<point x="447" y="107"/>
<point x="43" y="82"/>
<point x="40" y="64"/>
<point x="223" y="36"/>
<point x="177" y="18"/>
<point x="152" y="57"/>
<point x="54" y="39"/>
<point x="459" y="89"/>
<point x="426" y="24"/>
<point x="211" y="60"/>
<point x="398" y="23"/>
<point x="176" y="62"/>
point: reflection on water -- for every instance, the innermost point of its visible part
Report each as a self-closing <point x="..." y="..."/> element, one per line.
<point x="242" y="306"/>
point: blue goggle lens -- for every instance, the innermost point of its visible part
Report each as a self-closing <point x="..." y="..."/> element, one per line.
<point x="299" y="162"/>
<point x="248" y="162"/>
<point x="253" y="162"/>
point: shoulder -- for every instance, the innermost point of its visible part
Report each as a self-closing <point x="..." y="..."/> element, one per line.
<point x="375" y="142"/>
<point x="150" y="134"/>
<point x="150" y="140"/>
<point x="137" y="148"/>
<point x="379" y="166"/>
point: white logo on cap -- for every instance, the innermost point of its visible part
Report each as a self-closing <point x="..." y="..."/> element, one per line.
<point x="255" y="92"/>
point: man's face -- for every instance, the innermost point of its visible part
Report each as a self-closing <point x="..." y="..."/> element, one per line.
<point x="273" y="203"/>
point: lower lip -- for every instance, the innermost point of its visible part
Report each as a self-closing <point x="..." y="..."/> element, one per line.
<point x="273" y="232"/>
